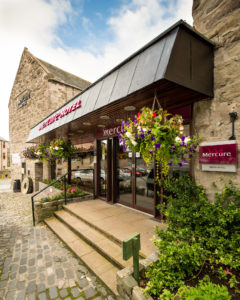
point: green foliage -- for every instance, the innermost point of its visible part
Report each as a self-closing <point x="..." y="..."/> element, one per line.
<point x="158" y="136"/>
<point x="56" y="150"/>
<point x="199" y="232"/>
<point x="204" y="290"/>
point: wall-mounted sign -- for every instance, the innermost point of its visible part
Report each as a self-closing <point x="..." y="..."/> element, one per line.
<point x="109" y="132"/>
<point x="23" y="101"/>
<point x="61" y="114"/>
<point x="16" y="159"/>
<point x="218" y="156"/>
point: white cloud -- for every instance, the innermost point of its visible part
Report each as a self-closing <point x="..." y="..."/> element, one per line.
<point x="33" y="24"/>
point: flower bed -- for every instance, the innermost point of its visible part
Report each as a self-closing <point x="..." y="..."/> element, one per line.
<point x="52" y="199"/>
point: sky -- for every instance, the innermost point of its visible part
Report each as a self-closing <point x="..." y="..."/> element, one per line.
<point x="84" y="37"/>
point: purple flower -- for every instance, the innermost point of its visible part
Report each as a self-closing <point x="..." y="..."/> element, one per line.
<point x="119" y="135"/>
<point x="180" y="164"/>
<point x="136" y="135"/>
<point x="182" y="144"/>
<point x="152" y="137"/>
<point x="127" y="122"/>
<point x="157" y="146"/>
<point x="183" y="138"/>
<point x="193" y="151"/>
<point x="122" y="125"/>
<point x="150" y="151"/>
<point x="190" y="155"/>
<point x="173" y="147"/>
<point x="135" y="121"/>
<point x="149" y="131"/>
<point x="124" y="148"/>
<point x="170" y="163"/>
<point x="142" y="135"/>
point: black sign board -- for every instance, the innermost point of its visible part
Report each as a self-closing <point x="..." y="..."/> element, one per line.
<point x="23" y="101"/>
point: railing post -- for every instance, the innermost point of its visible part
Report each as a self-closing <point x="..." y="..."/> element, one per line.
<point x="33" y="214"/>
<point x="65" y="190"/>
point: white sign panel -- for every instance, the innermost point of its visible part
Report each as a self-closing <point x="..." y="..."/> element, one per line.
<point x="219" y="168"/>
<point x="16" y="159"/>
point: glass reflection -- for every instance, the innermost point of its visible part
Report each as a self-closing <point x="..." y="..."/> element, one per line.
<point x="144" y="184"/>
<point x="124" y="175"/>
<point x="103" y="169"/>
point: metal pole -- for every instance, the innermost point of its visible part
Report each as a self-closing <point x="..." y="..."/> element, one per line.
<point x="33" y="215"/>
<point x="65" y="190"/>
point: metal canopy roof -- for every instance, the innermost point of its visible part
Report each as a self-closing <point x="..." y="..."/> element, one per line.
<point x="180" y="56"/>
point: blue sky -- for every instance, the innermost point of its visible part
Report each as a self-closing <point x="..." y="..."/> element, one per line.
<point x="84" y="37"/>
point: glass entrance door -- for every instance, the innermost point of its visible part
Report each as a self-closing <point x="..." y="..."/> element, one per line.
<point x="144" y="185"/>
<point x="123" y="175"/>
<point x="103" y="166"/>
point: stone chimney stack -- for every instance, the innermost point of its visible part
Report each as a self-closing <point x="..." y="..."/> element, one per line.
<point x="219" y="20"/>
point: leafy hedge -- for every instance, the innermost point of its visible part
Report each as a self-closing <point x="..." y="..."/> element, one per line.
<point x="199" y="233"/>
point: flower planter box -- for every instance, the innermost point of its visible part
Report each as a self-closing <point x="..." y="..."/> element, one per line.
<point x="47" y="209"/>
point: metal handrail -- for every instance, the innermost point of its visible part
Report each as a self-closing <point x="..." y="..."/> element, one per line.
<point x="46" y="187"/>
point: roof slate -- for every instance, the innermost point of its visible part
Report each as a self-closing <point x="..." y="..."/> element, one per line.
<point x="64" y="77"/>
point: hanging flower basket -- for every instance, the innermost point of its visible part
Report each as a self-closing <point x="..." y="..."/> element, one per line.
<point x="50" y="152"/>
<point x="158" y="135"/>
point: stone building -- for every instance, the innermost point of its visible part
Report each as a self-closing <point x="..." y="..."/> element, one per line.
<point x="220" y="22"/>
<point x="38" y="89"/>
<point x="4" y="154"/>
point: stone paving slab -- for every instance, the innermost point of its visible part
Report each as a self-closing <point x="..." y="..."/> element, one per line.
<point x="34" y="263"/>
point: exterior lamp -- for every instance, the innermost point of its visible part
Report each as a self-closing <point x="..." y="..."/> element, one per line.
<point x="86" y="123"/>
<point x="119" y="120"/>
<point x="129" y="108"/>
<point x="104" y="117"/>
<point x="101" y="126"/>
<point x="233" y="118"/>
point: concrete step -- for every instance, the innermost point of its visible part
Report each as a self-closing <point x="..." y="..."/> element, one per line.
<point x="99" y="241"/>
<point x="102" y="267"/>
<point x="88" y="217"/>
<point x="85" y="219"/>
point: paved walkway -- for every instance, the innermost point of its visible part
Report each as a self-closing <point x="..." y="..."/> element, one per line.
<point x="34" y="264"/>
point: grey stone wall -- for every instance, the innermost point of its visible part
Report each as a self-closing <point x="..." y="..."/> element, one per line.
<point x="219" y="21"/>
<point x="45" y="96"/>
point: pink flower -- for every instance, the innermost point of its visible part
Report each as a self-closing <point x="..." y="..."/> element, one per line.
<point x="73" y="190"/>
<point x="227" y="271"/>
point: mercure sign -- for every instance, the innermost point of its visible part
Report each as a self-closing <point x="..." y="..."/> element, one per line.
<point x="61" y="114"/>
<point x="218" y="156"/>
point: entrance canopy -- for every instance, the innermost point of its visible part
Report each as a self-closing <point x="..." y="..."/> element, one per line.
<point x="177" y="66"/>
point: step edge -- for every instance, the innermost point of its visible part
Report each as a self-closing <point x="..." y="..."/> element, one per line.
<point x="101" y="251"/>
<point x="81" y="258"/>
<point x="108" y="235"/>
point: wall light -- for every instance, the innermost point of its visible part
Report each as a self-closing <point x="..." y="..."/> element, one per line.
<point x="129" y="108"/>
<point x="233" y="118"/>
<point x="101" y="125"/>
<point x="86" y="123"/>
<point x="104" y="117"/>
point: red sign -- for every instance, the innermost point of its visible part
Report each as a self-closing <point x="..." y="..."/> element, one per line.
<point x="218" y="153"/>
<point x="62" y="114"/>
<point x="108" y="132"/>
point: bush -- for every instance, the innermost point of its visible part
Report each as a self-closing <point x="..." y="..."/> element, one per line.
<point x="205" y="290"/>
<point x="199" y="233"/>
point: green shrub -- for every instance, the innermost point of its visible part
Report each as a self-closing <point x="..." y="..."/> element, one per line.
<point x="198" y="232"/>
<point x="205" y="290"/>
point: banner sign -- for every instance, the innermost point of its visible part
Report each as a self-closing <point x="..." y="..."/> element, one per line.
<point x="218" y="156"/>
<point x="61" y="114"/>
